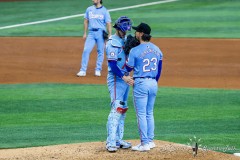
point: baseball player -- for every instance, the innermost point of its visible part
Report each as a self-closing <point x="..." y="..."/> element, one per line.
<point x="118" y="85"/>
<point x="95" y="21"/>
<point x="146" y="61"/>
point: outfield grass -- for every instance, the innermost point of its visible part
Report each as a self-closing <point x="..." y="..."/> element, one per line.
<point x="47" y="114"/>
<point x="183" y="18"/>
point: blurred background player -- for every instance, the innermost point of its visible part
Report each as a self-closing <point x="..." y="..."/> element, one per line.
<point x="96" y="19"/>
<point x="146" y="61"/>
<point x="118" y="85"/>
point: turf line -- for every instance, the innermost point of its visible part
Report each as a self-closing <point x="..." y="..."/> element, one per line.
<point x="80" y="15"/>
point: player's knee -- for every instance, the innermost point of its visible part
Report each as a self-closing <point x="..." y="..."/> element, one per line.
<point x="121" y="106"/>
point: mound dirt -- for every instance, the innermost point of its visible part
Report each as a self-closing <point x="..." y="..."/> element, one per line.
<point x="96" y="150"/>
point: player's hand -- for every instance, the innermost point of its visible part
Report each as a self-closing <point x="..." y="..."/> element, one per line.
<point x="128" y="79"/>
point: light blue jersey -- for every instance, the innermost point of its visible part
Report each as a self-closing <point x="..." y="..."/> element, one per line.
<point x="114" y="51"/>
<point x="97" y="17"/>
<point x="144" y="58"/>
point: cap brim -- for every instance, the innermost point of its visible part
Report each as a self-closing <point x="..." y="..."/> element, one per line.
<point x="135" y="28"/>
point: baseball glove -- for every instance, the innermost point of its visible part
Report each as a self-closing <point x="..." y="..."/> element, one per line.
<point x="130" y="43"/>
<point x="105" y="35"/>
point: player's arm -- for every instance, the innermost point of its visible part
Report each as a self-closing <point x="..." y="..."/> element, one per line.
<point x="108" y="22"/>
<point x="159" y="70"/>
<point x="109" y="29"/>
<point x="85" y="25"/>
<point x="128" y="68"/>
<point x="114" y="68"/>
<point x="130" y="62"/>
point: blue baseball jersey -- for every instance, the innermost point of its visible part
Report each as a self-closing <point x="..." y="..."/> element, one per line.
<point x="145" y="59"/>
<point x="115" y="52"/>
<point x="97" y="17"/>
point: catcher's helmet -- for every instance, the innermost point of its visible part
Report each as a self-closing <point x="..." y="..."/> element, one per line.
<point x="123" y="23"/>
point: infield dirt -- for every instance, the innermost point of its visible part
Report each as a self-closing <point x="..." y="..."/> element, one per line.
<point x="199" y="63"/>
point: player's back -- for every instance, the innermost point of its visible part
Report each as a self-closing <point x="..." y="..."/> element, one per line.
<point x="146" y="60"/>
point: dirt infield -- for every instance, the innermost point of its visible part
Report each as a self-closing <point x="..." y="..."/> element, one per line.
<point x="205" y="63"/>
<point x="201" y="63"/>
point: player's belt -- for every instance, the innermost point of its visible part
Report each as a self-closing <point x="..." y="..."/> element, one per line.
<point x="94" y="29"/>
<point x="144" y="77"/>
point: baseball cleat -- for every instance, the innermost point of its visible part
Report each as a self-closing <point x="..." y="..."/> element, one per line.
<point x="81" y="74"/>
<point x="151" y="145"/>
<point x="141" y="148"/>
<point x="124" y="144"/>
<point x="111" y="148"/>
<point x="97" y="73"/>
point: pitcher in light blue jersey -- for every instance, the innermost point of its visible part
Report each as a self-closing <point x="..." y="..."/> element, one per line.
<point x="146" y="61"/>
<point x="96" y="19"/>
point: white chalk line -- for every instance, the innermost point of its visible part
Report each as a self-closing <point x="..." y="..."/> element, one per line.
<point x="80" y="15"/>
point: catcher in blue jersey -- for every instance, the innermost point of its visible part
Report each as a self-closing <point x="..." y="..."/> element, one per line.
<point x="146" y="61"/>
<point x="95" y="21"/>
<point x="118" y="83"/>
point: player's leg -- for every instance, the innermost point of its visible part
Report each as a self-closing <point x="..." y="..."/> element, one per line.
<point x="140" y="94"/>
<point x="115" y="114"/>
<point x="88" y="47"/>
<point x="152" y="85"/>
<point x="112" y="125"/>
<point x="100" y="50"/>
<point x="123" y="97"/>
<point x="120" y="132"/>
<point x="140" y="101"/>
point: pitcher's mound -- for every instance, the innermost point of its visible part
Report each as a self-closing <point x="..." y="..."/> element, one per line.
<point x="96" y="150"/>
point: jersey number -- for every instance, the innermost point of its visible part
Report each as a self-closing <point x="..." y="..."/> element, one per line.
<point x="146" y="66"/>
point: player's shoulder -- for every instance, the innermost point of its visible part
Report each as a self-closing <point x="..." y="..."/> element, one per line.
<point x="115" y="41"/>
<point x="157" y="49"/>
<point x="155" y="46"/>
<point x="136" y="50"/>
<point x="90" y="7"/>
<point x="103" y="7"/>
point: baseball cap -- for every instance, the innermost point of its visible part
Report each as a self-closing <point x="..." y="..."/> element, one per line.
<point x="143" y="27"/>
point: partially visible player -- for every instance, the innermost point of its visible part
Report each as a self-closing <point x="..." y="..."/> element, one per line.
<point x="95" y="21"/>
<point x="146" y="61"/>
<point x="118" y="83"/>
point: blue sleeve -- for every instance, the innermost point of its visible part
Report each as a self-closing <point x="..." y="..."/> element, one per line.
<point x="129" y="69"/>
<point x="159" y="70"/>
<point x="108" y="17"/>
<point x="115" y="69"/>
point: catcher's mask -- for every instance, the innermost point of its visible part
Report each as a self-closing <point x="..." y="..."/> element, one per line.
<point x="123" y="24"/>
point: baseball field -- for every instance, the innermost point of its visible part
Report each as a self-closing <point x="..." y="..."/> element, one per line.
<point x="46" y="112"/>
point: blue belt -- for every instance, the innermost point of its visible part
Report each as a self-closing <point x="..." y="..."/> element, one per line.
<point x="145" y="77"/>
<point x="94" y="29"/>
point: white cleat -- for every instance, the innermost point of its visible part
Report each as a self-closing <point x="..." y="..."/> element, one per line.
<point x="98" y="73"/>
<point x="152" y="145"/>
<point x="141" y="148"/>
<point x="81" y="74"/>
<point x="123" y="144"/>
<point x="111" y="148"/>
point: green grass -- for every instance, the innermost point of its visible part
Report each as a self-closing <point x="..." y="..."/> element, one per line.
<point x="183" y="18"/>
<point x="47" y="114"/>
